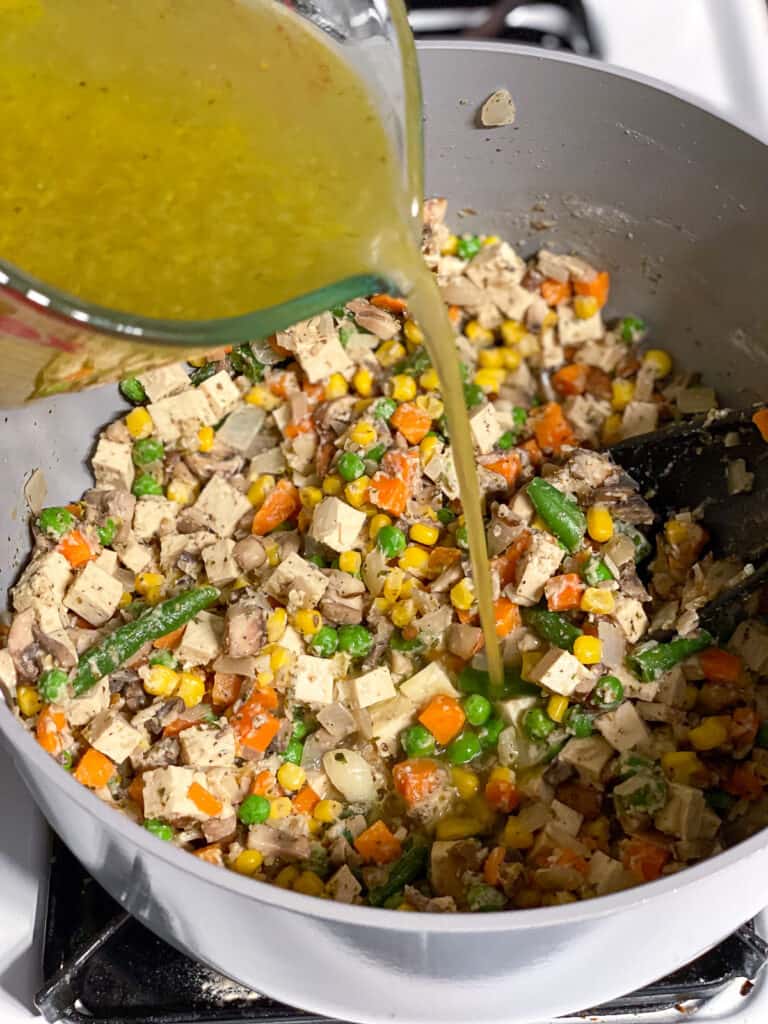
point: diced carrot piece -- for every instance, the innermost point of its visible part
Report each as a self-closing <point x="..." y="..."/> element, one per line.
<point x="568" y="858"/>
<point x="506" y="563"/>
<point x="170" y="640"/>
<point x="598" y="287"/>
<point x="745" y="724"/>
<point x="94" y="769"/>
<point x="305" y="800"/>
<point x="259" y="737"/>
<point x="314" y="392"/>
<point x="75" y="548"/>
<point x="551" y="427"/>
<point x="301" y="427"/>
<point x="176" y="726"/>
<point x="415" y="779"/>
<point x="264" y="784"/>
<point x="389" y="493"/>
<point x="508" y="466"/>
<point x="744" y="783"/>
<point x="760" y="419"/>
<point x="644" y="859"/>
<point x="205" y="801"/>
<point x="554" y="292"/>
<point x="444" y="717"/>
<point x="532" y="450"/>
<point x="506" y="615"/>
<point x="564" y="592"/>
<point x="211" y="854"/>
<point x="493" y="862"/>
<point x="571" y="379"/>
<point x="390" y="303"/>
<point x="501" y="795"/>
<point x="280" y="504"/>
<point x="454" y="315"/>
<point x="720" y="666"/>
<point x="378" y="844"/>
<point x="279" y="384"/>
<point x="412" y="422"/>
<point x="50" y="724"/>
<point x="226" y="689"/>
<point x="136" y="790"/>
<point x="76" y="508"/>
<point x="405" y="465"/>
<point x="264" y="697"/>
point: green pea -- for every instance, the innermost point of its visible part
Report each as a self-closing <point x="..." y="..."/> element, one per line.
<point x="519" y="417"/>
<point x="608" y="693"/>
<point x="161" y="657"/>
<point x="132" y="389"/>
<point x="482" y="897"/>
<point x="578" y="722"/>
<point x="66" y="760"/>
<point x="294" y="751"/>
<point x="107" y="533"/>
<point x="473" y="395"/>
<point x="376" y="454"/>
<point x="55" y="522"/>
<point x="468" y="248"/>
<point x="390" y="540"/>
<point x="462" y="537"/>
<point x="317" y="560"/>
<point x="384" y="408"/>
<point x="488" y="734"/>
<point x="350" y="466"/>
<point x="446" y="515"/>
<point x="325" y="642"/>
<point x="506" y="440"/>
<point x="51" y="684"/>
<point x="147" y="450"/>
<point x="465" y="748"/>
<point x="158" y="828"/>
<point x="477" y="708"/>
<point x="355" y="640"/>
<point x="146" y="484"/>
<point x="418" y="741"/>
<point x="632" y="329"/>
<point x="536" y="724"/>
<point x="254" y="810"/>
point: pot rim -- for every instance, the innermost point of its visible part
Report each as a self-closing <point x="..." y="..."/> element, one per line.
<point x="21" y="742"/>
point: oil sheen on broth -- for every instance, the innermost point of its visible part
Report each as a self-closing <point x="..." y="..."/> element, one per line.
<point x="195" y="161"/>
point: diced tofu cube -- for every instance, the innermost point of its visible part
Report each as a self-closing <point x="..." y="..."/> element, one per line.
<point x="343" y="886"/>
<point x="426" y="684"/>
<point x="607" y="874"/>
<point x="485" y="427"/>
<point x="540" y="561"/>
<point x="152" y="512"/>
<point x="80" y="710"/>
<point x="206" y="747"/>
<point x="387" y="721"/>
<point x="551" y="352"/>
<point x="221" y="506"/>
<point x="173" y="544"/>
<point x="297" y="582"/>
<point x="628" y="613"/>
<point x="221" y="394"/>
<point x="639" y="418"/>
<point x="180" y="414"/>
<point x="751" y="642"/>
<point x="220" y="564"/>
<point x="56" y="637"/>
<point x="574" y="331"/>
<point x="45" y="578"/>
<point x="336" y="719"/>
<point x="113" y="736"/>
<point x="373" y="687"/>
<point x="318" y="350"/>
<point x="336" y="524"/>
<point x="166" y="794"/>
<point x="633" y="687"/>
<point x="521" y="506"/>
<point x="588" y="756"/>
<point x="562" y="266"/>
<point x="672" y="687"/>
<point x="313" y="680"/>
<point x="107" y="560"/>
<point x="566" y="817"/>
<point x="202" y="640"/>
<point x="94" y="595"/>
<point x="134" y="556"/>
<point x="605" y="354"/>
<point x="586" y="414"/>
<point x="112" y="464"/>
<point x="441" y="470"/>
<point x="241" y="429"/>
<point x="164" y="381"/>
<point x="7" y="673"/>
<point x="623" y="728"/>
<point x="513" y="709"/>
<point x="683" y="814"/>
<point x="561" y="672"/>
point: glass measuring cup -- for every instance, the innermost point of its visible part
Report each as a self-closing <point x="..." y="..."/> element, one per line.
<point x="53" y="341"/>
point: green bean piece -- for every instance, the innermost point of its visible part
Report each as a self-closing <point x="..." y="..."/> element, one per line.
<point x="654" y="660"/>
<point x="561" y="513"/>
<point x="243" y="361"/>
<point x="404" y="871"/>
<point x="202" y="373"/>
<point x="596" y="571"/>
<point x="552" y="627"/>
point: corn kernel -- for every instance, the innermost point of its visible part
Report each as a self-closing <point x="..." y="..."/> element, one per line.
<point x="491" y="358"/>
<point x="261" y="396"/>
<point x="336" y="387"/>
<point x="490" y="240"/>
<point x="362" y="382"/>
<point x="490" y="380"/>
<point x="260" y="488"/>
<point x="377" y="522"/>
<point x="691" y="696"/>
<point x="125" y="599"/>
<point x="28" y="699"/>
<point x="390" y="352"/>
<point x="677" y="531"/>
<point x="277" y="620"/>
<point x="333" y="485"/>
<point x="588" y="650"/>
<point x="424" y="533"/>
<point x="308" y="621"/>
<point x="659" y="360"/>
<point x="356" y="492"/>
<point x="477" y="334"/>
<point x="597" y="601"/>
<point x="139" y="423"/>
<point x="273" y="556"/>
<point x="403" y="387"/>
<point x="182" y="492"/>
<point x="280" y="807"/>
<point x="513" y="357"/>
<point x="450" y="247"/>
<point x="430" y="380"/>
<point x="611" y="429"/>
<point x="456" y="827"/>
<point x="406" y="908"/>
<point x="413" y="332"/>
<point x="515" y="836"/>
<point x="585" y="306"/>
<point x="599" y="523"/>
<point x="191" y="689"/>
<point x="621" y="393"/>
<point x="556" y="707"/>
<point x="248" y="862"/>
<point x="413" y="559"/>
<point x="198" y="361"/>
<point x="363" y="434"/>
<point x="350" y="561"/>
<point x="428" y="449"/>
<point x="313" y="826"/>
<point x="403" y="613"/>
<point x="327" y="811"/>
<point x="462" y="595"/>
<point x="310" y="496"/>
<point x="382" y="605"/>
<point x="500" y="774"/>
<point x="512" y="332"/>
<point x="287" y="876"/>
<point x="205" y="439"/>
<point x="393" y="585"/>
<point x="309" y="883"/>
<point x="291" y="776"/>
<point x="712" y="732"/>
<point x="409" y="585"/>
<point x="361" y="405"/>
<point x="550" y="319"/>
<point x="144" y="582"/>
<point x="529" y="661"/>
<point x="683" y="767"/>
<point x="465" y="781"/>
<point x="279" y="657"/>
<point x="162" y="681"/>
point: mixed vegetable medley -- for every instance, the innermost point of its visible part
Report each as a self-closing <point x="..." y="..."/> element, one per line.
<point x="257" y="636"/>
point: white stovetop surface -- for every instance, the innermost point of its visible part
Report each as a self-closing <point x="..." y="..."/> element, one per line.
<point x="712" y="48"/>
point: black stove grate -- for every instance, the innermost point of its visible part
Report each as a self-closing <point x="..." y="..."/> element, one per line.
<point x="103" y="967"/>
